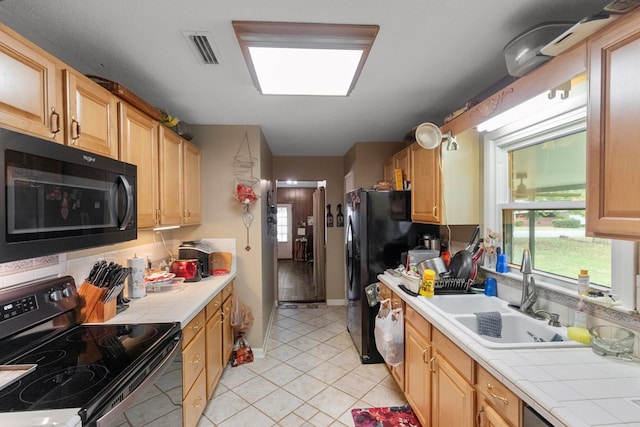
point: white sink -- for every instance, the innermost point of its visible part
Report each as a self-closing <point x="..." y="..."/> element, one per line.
<point x="468" y="304"/>
<point x="518" y="329"/>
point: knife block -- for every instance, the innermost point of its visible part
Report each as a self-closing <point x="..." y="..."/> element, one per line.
<point x="92" y="306"/>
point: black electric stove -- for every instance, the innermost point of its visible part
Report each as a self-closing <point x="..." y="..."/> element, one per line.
<point x="94" y="367"/>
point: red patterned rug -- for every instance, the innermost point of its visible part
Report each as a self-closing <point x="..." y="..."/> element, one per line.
<point x="394" y="416"/>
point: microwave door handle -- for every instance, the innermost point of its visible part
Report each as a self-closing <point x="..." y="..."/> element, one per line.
<point x="128" y="189"/>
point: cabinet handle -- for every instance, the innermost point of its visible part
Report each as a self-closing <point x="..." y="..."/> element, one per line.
<point x="479" y="417"/>
<point x="196" y="326"/>
<point x="504" y="400"/>
<point x="432" y="362"/>
<point x="75" y="130"/>
<point x="157" y="216"/>
<point x="434" y="211"/>
<point x="426" y="352"/>
<point x="54" y="119"/>
<point x="197" y="403"/>
<point x="196" y="359"/>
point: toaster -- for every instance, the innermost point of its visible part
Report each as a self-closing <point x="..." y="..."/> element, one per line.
<point x="199" y="251"/>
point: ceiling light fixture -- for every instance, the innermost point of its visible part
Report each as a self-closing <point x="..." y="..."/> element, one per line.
<point x="304" y="59"/>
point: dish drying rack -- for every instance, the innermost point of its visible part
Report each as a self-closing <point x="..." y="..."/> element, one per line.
<point x="452" y="285"/>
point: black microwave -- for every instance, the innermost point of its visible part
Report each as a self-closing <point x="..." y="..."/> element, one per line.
<point x="58" y="198"/>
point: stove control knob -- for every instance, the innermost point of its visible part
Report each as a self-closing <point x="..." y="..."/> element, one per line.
<point x="67" y="291"/>
<point x="55" y="295"/>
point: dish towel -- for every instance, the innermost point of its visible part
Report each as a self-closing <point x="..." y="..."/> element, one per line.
<point x="489" y="324"/>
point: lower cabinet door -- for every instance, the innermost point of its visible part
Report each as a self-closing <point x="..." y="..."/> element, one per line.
<point x="214" y="352"/>
<point x="194" y="403"/>
<point x="453" y="397"/>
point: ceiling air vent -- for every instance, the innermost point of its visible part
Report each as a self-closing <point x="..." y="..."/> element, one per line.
<point x="202" y="47"/>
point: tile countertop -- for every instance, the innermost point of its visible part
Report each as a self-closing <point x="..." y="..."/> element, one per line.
<point x="568" y="386"/>
<point x="179" y="305"/>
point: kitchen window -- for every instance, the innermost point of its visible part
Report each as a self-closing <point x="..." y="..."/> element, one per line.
<point x="282" y="221"/>
<point x="535" y="193"/>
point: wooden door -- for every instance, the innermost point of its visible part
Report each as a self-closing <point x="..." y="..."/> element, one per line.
<point x="170" y="177"/>
<point x="491" y="418"/>
<point x="191" y="196"/>
<point x="388" y="169"/>
<point x="138" y="135"/>
<point x="90" y="115"/>
<point x="29" y="99"/>
<point x="417" y="380"/>
<point x="227" y="330"/>
<point x="613" y="131"/>
<point x="403" y="161"/>
<point x="214" y="363"/>
<point x="452" y="397"/>
<point x="425" y="185"/>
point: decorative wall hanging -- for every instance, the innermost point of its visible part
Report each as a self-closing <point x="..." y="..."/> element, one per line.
<point x="340" y="216"/>
<point x="329" y="216"/>
<point x="272" y="217"/>
<point x="245" y="181"/>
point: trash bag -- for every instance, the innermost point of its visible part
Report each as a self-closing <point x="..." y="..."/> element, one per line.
<point x="242" y="352"/>
<point x="241" y="316"/>
<point x="389" y="333"/>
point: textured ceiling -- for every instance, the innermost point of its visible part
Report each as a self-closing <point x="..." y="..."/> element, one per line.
<point x="430" y="57"/>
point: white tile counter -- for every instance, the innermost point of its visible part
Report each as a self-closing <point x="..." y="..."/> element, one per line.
<point x="179" y="305"/>
<point x="568" y="386"/>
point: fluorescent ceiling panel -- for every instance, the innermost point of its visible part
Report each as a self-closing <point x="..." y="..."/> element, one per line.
<point x="294" y="71"/>
<point x="304" y="59"/>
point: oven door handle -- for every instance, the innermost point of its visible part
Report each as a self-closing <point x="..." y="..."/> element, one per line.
<point x="109" y="418"/>
<point x="128" y="190"/>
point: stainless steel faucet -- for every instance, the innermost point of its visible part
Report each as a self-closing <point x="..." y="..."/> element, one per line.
<point x="529" y="295"/>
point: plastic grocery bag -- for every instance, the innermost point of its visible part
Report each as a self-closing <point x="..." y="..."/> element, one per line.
<point x="389" y="333"/>
<point x="242" y="352"/>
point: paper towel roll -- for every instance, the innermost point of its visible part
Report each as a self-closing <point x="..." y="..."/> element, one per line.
<point x="136" y="285"/>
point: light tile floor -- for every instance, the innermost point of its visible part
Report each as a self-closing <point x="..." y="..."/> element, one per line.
<point x="310" y="376"/>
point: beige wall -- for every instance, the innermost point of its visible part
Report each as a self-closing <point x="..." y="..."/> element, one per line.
<point x="222" y="215"/>
<point x="331" y="170"/>
<point x="365" y="160"/>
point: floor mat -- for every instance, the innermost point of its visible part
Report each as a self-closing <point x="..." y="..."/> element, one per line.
<point x="394" y="416"/>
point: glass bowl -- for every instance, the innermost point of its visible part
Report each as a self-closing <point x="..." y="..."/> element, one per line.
<point x="612" y="341"/>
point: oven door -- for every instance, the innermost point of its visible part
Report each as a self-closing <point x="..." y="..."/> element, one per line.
<point x="128" y="398"/>
<point x="57" y="198"/>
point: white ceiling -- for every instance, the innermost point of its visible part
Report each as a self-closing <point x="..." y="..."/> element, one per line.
<point x="430" y="57"/>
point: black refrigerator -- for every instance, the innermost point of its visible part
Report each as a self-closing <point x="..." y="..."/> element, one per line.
<point x="378" y="229"/>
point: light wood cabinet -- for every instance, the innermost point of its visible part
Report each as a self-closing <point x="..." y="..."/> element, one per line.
<point x="30" y="94"/>
<point x="613" y="130"/>
<point x="179" y="182"/>
<point x="397" y="372"/>
<point x="426" y="199"/>
<point x="191" y="191"/>
<point x="213" y="340"/>
<point x="90" y="115"/>
<point x="497" y="405"/>
<point x="171" y="178"/>
<point x="400" y="160"/>
<point x="194" y="381"/>
<point x="453" y="391"/>
<point x="227" y="330"/>
<point x="417" y="360"/>
<point x="138" y="136"/>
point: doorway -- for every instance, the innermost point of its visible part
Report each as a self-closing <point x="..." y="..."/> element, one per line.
<point x="301" y="242"/>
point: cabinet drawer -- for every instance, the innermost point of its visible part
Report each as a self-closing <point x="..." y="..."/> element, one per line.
<point x="418" y="322"/>
<point x="194" y="402"/>
<point x="227" y="291"/>
<point x="498" y="396"/>
<point x="213" y="306"/>
<point x="383" y="291"/>
<point x="193" y="361"/>
<point x="196" y="325"/>
<point x="454" y="355"/>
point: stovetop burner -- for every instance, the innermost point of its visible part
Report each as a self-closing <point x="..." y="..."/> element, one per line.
<point x="91" y="367"/>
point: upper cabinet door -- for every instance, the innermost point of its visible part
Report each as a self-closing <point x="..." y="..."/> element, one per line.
<point x="29" y="100"/>
<point x="191" y="200"/>
<point x="426" y="197"/>
<point x="171" y="177"/>
<point x="91" y="122"/>
<point x="613" y="129"/>
<point x="138" y="135"/>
